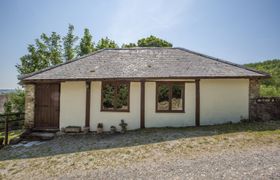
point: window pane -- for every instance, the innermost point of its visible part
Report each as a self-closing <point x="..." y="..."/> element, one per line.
<point x="177" y="97"/>
<point x="163" y="97"/>
<point x="122" y="97"/>
<point x="108" y="93"/>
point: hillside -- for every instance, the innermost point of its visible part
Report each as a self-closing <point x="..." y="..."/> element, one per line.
<point x="269" y="87"/>
<point x="6" y="91"/>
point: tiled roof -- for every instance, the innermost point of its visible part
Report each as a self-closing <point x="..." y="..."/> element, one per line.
<point x="144" y="63"/>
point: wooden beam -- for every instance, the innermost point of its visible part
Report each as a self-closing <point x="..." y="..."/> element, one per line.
<point x="88" y="89"/>
<point x="197" y="102"/>
<point x="142" y="108"/>
<point x="6" y="131"/>
<point x="137" y="79"/>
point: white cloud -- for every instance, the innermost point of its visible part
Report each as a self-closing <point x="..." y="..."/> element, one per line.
<point x="133" y="19"/>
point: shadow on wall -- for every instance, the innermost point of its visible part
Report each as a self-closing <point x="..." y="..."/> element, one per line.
<point x="86" y="142"/>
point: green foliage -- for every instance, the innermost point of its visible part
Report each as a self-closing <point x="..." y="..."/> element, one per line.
<point x="153" y="41"/>
<point x="122" y="96"/>
<point x="69" y="41"/>
<point x="8" y="107"/>
<point x="31" y="62"/>
<point x="51" y="50"/>
<point x="108" y="96"/>
<point x="45" y="52"/>
<point x="269" y="91"/>
<point x="115" y="96"/>
<point x="86" y="44"/>
<point x="15" y="102"/>
<point x="271" y="86"/>
<point x="150" y="41"/>
<point x="54" y="48"/>
<point x="129" y="45"/>
<point x="106" y="43"/>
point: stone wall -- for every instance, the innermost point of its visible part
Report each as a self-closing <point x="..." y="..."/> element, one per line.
<point x="265" y="108"/>
<point x="254" y="88"/>
<point x="262" y="108"/>
<point x="254" y="92"/>
<point x="29" y="106"/>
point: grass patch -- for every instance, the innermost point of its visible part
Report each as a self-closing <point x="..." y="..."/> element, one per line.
<point x="228" y="127"/>
<point x="12" y="134"/>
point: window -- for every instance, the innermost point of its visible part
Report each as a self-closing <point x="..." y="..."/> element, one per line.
<point x="170" y="97"/>
<point x="115" y="96"/>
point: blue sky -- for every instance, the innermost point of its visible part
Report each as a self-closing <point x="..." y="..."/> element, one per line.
<point x="237" y="30"/>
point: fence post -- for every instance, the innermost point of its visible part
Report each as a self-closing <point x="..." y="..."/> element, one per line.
<point x="6" y="130"/>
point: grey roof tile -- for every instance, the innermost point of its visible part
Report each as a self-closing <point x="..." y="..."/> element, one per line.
<point x="144" y="63"/>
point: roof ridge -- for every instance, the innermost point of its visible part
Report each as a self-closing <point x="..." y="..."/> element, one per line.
<point x="223" y="61"/>
<point x="137" y="48"/>
<point x="20" y="77"/>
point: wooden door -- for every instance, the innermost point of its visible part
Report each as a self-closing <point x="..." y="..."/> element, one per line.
<point x="47" y="98"/>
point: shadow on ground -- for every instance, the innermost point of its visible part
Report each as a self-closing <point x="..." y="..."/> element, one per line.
<point x="78" y="143"/>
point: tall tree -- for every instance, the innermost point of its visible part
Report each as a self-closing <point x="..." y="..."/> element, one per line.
<point x="86" y="45"/>
<point x="106" y="43"/>
<point x="69" y="44"/>
<point x="153" y="41"/>
<point x="54" y="47"/>
<point x="31" y="62"/>
<point x="44" y="53"/>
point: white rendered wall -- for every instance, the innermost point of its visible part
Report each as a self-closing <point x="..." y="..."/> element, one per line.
<point x="72" y="103"/>
<point x="223" y="100"/>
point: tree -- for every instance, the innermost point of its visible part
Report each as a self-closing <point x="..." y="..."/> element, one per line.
<point x="15" y="102"/>
<point x="86" y="44"/>
<point x="269" y="86"/>
<point x="69" y="43"/>
<point x="30" y="62"/>
<point x="44" y="53"/>
<point x="54" y="47"/>
<point x="106" y="43"/>
<point x="7" y="107"/>
<point x="153" y="41"/>
<point x="130" y="45"/>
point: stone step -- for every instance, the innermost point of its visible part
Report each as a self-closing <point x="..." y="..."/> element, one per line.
<point x="41" y="136"/>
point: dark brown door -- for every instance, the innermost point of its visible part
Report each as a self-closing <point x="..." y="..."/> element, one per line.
<point x="47" y="106"/>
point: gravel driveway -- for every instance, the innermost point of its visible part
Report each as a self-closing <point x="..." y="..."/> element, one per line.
<point x="231" y="151"/>
<point x="263" y="163"/>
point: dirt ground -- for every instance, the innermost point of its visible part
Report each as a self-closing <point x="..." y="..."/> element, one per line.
<point x="231" y="151"/>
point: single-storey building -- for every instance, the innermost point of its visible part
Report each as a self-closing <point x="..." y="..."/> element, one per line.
<point x="146" y="87"/>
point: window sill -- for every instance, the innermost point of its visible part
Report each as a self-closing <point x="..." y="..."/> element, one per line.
<point x="170" y="112"/>
<point x="103" y="110"/>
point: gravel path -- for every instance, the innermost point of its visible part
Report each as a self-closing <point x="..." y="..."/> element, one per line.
<point x="230" y="151"/>
<point x="254" y="163"/>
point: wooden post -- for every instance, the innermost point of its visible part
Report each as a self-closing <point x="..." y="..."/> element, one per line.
<point x="6" y="130"/>
<point x="197" y="102"/>
<point x="88" y="89"/>
<point x="142" y="106"/>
